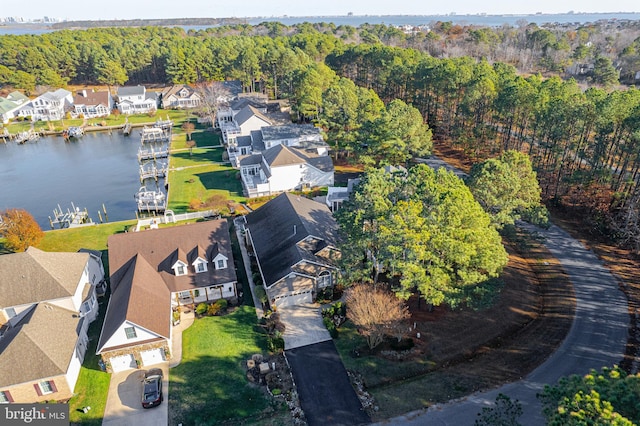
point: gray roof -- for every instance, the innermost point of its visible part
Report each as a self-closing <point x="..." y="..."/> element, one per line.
<point x="257" y="142"/>
<point x="58" y="95"/>
<point x="131" y="90"/>
<point x="246" y="113"/>
<point x="17" y="97"/>
<point x="281" y="155"/>
<point x="249" y="160"/>
<point x="39" y="346"/>
<point x="243" y="140"/>
<point x="243" y="102"/>
<point x="311" y="156"/>
<point x="291" y="131"/>
<point x="278" y="226"/>
<point x="35" y="276"/>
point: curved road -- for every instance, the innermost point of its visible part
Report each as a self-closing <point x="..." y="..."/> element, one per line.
<point x="597" y="338"/>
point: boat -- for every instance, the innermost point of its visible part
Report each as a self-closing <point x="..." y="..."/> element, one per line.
<point x="73" y="132"/>
<point x="27" y="136"/>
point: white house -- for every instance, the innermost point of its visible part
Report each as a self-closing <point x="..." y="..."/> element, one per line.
<point x="155" y="272"/>
<point x="136" y="100"/>
<point x="180" y="96"/>
<point x="10" y="105"/>
<point x="48" y="106"/>
<point x="47" y="301"/>
<point x="90" y="104"/>
<point x="294" y="240"/>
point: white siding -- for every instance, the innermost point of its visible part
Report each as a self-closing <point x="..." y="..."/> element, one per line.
<point x="285" y="178"/>
<point x="120" y="337"/>
<point x="74" y="370"/>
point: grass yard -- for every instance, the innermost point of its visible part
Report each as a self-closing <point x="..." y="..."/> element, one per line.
<point x="210" y="386"/>
<point x="201" y="183"/>
<point x="197" y="157"/>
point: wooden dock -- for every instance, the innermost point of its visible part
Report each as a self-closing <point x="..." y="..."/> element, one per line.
<point x="154" y="134"/>
<point x="72" y="218"/>
<point x="151" y="201"/>
<point x="153" y="170"/>
<point x="152" y="153"/>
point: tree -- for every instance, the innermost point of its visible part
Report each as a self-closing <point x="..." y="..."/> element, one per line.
<point x="604" y="72"/>
<point x="376" y="312"/>
<point x="606" y="397"/>
<point x="19" y="229"/>
<point x="505" y="186"/>
<point x="424" y="230"/>
<point x="211" y="94"/>
<point x="188" y="128"/>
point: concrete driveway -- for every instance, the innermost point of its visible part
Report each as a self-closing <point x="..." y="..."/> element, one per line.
<point x="326" y="394"/>
<point x="123" y="402"/>
<point x="303" y="326"/>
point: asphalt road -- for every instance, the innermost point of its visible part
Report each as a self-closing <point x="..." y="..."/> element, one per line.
<point x="326" y="394"/>
<point x="597" y="338"/>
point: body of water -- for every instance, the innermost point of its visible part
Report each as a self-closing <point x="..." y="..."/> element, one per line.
<point x="99" y="168"/>
<point x="357" y="20"/>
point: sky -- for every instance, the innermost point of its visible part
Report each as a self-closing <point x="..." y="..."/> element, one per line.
<point x="135" y="9"/>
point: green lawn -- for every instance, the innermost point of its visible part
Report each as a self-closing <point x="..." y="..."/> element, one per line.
<point x="209" y="386"/>
<point x="201" y="183"/>
<point x="197" y="157"/>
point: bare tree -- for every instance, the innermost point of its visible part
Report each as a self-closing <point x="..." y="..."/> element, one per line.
<point x="376" y="312"/>
<point x="212" y="93"/>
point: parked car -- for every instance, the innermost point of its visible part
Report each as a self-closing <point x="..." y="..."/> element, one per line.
<point x="152" y="388"/>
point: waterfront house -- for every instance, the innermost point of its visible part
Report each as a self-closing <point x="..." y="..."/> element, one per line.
<point x="48" y="107"/>
<point x="90" y="104"/>
<point x="294" y="240"/>
<point x="10" y="105"/>
<point x="155" y="273"/>
<point x="47" y="301"/>
<point x="136" y="100"/>
<point x="180" y="96"/>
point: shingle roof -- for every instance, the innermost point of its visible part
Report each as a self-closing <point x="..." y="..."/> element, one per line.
<point x="35" y="276"/>
<point x="142" y="278"/>
<point x="281" y="155"/>
<point x="278" y="226"/>
<point x="310" y="156"/>
<point x="17" y="97"/>
<point x="131" y="90"/>
<point x="141" y="297"/>
<point x="291" y="131"/>
<point x="92" y="98"/>
<point x="248" y="112"/>
<point x="40" y="346"/>
<point x="173" y="90"/>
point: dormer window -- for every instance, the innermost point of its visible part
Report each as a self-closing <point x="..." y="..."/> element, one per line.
<point x="220" y="261"/>
<point x="179" y="268"/>
<point x="200" y="265"/>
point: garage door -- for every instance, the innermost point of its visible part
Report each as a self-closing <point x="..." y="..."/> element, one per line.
<point x="294" y="299"/>
<point x="121" y="363"/>
<point x="153" y="356"/>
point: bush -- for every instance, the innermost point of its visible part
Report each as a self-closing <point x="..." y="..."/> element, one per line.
<point x="201" y="309"/>
<point x="275" y="344"/>
<point x="213" y="309"/>
<point x="328" y="322"/>
<point x="222" y="303"/>
<point x="261" y="294"/>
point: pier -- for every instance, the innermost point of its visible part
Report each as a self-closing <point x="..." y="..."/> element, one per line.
<point x="153" y="170"/>
<point x="152" y="153"/>
<point x="154" y="134"/>
<point x="72" y="218"/>
<point x="27" y="136"/>
<point x="151" y="201"/>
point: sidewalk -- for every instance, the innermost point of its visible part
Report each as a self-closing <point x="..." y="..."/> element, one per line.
<point x="239" y="225"/>
<point x="186" y="319"/>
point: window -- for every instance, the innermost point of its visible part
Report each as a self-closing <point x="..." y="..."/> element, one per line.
<point x="5" y="397"/>
<point x="184" y="294"/>
<point x="130" y="332"/>
<point x="10" y="312"/>
<point x="45" y="387"/>
<point x="221" y="264"/>
<point x="324" y="280"/>
<point x="180" y="270"/>
<point x="200" y="267"/>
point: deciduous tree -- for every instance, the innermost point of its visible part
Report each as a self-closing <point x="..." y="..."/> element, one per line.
<point x="19" y="229"/>
<point x="376" y="312"/>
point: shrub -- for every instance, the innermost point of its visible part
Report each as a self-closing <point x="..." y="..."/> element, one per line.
<point x="201" y="308"/>
<point x="275" y="343"/>
<point x="261" y="294"/>
<point x="213" y="309"/>
<point x="222" y="303"/>
<point x="328" y="322"/>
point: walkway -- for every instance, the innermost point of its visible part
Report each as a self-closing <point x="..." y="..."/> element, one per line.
<point x="303" y="325"/>
<point x="597" y="338"/>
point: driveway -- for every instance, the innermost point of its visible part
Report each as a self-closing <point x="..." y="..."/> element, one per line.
<point x="303" y="326"/>
<point x="123" y="402"/>
<point x="324" y="389"/>
<point x="597" y="338"/>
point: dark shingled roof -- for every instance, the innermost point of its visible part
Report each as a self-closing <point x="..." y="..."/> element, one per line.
<point x="131" y="90"/>
<point x="35" y="275"/>
<point x="291" y="131"/>
<point x="281" y="155"/>
<point x="320" y="162"/>
<point x="272" y="229"/>
<point x="39" y="346"/>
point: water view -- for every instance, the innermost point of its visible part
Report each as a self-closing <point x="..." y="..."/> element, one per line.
<point x="100" y="168"/>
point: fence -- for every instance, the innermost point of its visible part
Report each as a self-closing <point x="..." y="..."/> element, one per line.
<point x="170" y="217"/>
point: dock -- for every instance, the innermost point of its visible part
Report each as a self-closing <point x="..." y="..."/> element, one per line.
<point x="153" y="170"/>
<point x="72" y="218"/>
<point x="152" y="153"/>
<point x="154" y="134"/>
<point x="28" y="136"/>
<point x="150" y="201"/>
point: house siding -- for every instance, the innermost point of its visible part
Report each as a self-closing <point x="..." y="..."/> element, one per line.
<point x="25" y="393"/>
<point x="120" y="337"/>
<point x="135" y="351"/>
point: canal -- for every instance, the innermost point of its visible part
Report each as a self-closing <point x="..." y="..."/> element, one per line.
<point x="99" y="168"/>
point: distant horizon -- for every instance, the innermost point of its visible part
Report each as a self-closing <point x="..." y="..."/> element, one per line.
<point x="450" y="14"/>
<point x="78" y="10"/>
